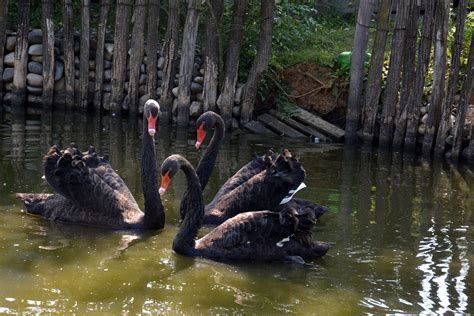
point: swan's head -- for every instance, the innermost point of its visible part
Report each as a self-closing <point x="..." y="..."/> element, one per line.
<point x="207" y="121"/>
<point x="169" y="168"/>
<point x="151" y="111"/>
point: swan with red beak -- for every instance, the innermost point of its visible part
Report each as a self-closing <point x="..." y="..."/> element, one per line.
<point x="152" y="109"/>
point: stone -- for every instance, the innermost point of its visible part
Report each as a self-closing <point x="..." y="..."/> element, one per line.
<point x="199" y="97"/>
<point x="107" y="64"/>
<point x="452" y="120"/>
<point x="107" y="74"/>
<point x="195" y="109"/>
<point x="9" y="86"/>
<point x="38" y="59"/>
<point x="143" y="69"/>
<point x="424" y="119"/>
<point x="199" y="79"/>
<point x="238" y="95"/>
<point x="91" y="74"/>
<point x="7" y="97"/>
<point x="175" y="91"/>
<point x="158" y="91"/>
<point x="8" y="74"/>
<point x="142" y="90"/>
<point x="196" y="87"/>
<point x="91" y="64"/>
<point x="161" y="62"/>
<point x="235" y="123"/>
<point x="107" y="87"/>
<point x="109" y="51"/>
<point x="106" y="101"/>
<point x="10" y="44"/>
<point x="176" y="82"/>
<point x="35" y="36"/>
<point x="423" y="110"/>
<point x="34" y="90"/>
<point x="142" y="101"/>
<point x="58" y="70"/>
<point x="449" y="140"/>
<point x="174" y="108"/>
<point x="421" y="129"/>
<point x="201" y="71"/>
<point x="142" y="79"/>
<point x="125" y="86"/>
<point x="77" y="47"/>
<point x="160" y="74"/>
<point x="35" y="67"/>
<point x="34" y="80"/>
<point x="9" y="59"/>
<point x="236" y="111"/>
<point x="77" y="62"/>
<point x="60" y="84"/>
<point x="35" y="50"/>
<point x="77" y="73"/>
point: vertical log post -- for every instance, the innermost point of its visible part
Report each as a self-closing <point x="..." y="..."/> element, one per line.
<point x="407" y="86"/>
<point x="119" y="67"/>
<point x="211" y="64"/>
<point x="439" y="74"/>
<point x="466" y="91"/>
<point x="21" y="54"/>
<point x="136" y="57"/>
<point x="99" y="55"/>
<point x="374" y="81"/>
<point x="361" y="38"/>
<point x="393" y="78"/>
<point x="188" y="49"/>
<point x="153" y="24"/>
<point x="170" y="51"/>
<point x="424" y="52"/>
<point x="48" y="53"/>
<point x="260" y="63"/>
<point x="225" y="102"/>
<point x="445" y="123"/>
<point x="3" y="38"/>
<point x="68" y="56"/>
<point x="84" y="57"/>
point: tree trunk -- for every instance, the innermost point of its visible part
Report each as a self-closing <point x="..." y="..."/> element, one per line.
<point x="211" y="65"/>
<point x="439" y="74"/>
<point x="424" y="52"/>
<point x="170" y="51"/>
<point x="260" y="63"/>
<point x="48" y="53"/>
<point x="136" y="58"/>
<point x="152" y="47"/>
<point x="225" y="101"/>
<point x="374" y="82"/>
<point x="463" y="108"/>
<point x="406" y="92"/>
<point x="187" y="62"/>
<point x="393" y="77"/>
<point x="119" y="67"/>
<point x="68" y="56"/>
<point x="21" y="54"/>
<point x="3" y="38"/>
<point x="361" y="38"/>
<point x="445" y="123"/>
<point x="99" y="55"/>
<point x="84" y="70"/>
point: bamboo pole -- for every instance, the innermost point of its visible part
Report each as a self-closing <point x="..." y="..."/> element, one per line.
<point x="48" y="54"/>
<point x="153" y="24"/>
<point x="3" y="38"/>
<point x="445" y="123"/>
<point x="68" y="56"/>
<point x="99" y="55"/>
<point x="21" y="54"/>
<point x="84" y="53"/>
<point x="361" y="39"/>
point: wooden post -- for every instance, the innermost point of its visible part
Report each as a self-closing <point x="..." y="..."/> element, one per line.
<point x="424" y="52"/>
<point x="48" y="53"/>
<point x="211" y="64"/>
<point x="119" y="67"/>
<point x="466" y="91"/>
<point x="186" y="66"/>
<point x="68" y="23"/>
<point x="21" y="54"/>
<point x="84" y="57"/>
<point x="361" y="38"/>
<point x="170" y="51"/>
<point x="99" y="55"/>
<point x="439" y="74"/>
<point x="136" y="57"/>
<point x="3" y="38"/>
<point x="225" y="102"/>
<point x="152" y="47"/>
<point x="447" y="105"/>
<point x="409" y="61"/>
<point x="374" y="82"/>
<point x="260" y="63"/>
<point x="393" y="78"/>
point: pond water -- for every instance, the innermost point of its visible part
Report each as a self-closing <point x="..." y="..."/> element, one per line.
<point x="403" y="230"/>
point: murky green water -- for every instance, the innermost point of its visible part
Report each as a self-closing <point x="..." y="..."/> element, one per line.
<point x="403" y="231"/>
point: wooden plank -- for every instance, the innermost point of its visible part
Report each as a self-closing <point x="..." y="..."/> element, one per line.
<point x="280" y="127"/>
<point x="257" y="128"/>
<point x="318" y="123"/>
<point x="305" y="129"/>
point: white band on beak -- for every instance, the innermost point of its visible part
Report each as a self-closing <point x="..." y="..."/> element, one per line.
<point x="162" y="191"/>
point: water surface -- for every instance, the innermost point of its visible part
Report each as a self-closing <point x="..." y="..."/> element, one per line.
<point x="403" y="230"/>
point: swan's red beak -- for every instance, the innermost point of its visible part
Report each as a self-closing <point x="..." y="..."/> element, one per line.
<point x="200" y="136"/>
<point x="152" y="125"/>
<point x="165" y="181"/>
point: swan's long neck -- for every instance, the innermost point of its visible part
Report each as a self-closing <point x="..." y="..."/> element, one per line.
<point x="192" y="211"/>
<point x="206" y="164"/>
<point x="154" y="212"/>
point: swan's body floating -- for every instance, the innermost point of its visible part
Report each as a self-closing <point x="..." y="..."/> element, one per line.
<point x="260" y="236"/>
<point x="90" y="192"/>
<point x="247" y="189"/>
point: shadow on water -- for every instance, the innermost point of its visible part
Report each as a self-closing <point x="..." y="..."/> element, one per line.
<point x="403" y="229"/>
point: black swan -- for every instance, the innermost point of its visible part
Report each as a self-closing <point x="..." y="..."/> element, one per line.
<point x="211" y="120"/>
<point x="90" y="192"/>
<point x="259" y="236"/>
